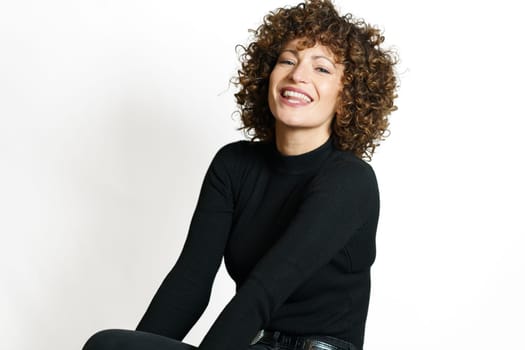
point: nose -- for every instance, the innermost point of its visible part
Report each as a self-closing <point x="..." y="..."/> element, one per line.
<point x="299" y="73"/>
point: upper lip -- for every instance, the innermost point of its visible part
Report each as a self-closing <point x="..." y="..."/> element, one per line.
<point x="282" y="90"/>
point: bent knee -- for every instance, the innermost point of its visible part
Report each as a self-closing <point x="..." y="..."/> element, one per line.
<point x="109" y="339"/>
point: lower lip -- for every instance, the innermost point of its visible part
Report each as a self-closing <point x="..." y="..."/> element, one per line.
<point x="295" y="103"/>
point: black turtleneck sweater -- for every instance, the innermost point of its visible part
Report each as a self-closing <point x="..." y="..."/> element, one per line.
<point x="298" y="237"/>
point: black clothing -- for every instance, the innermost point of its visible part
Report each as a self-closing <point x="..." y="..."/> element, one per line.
<point x="119" y="339"/>
<point x="298" y="237"/>
<point x="278" y="341"/>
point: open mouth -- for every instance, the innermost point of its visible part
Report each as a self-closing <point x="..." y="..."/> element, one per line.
<point x="295" y="96"/>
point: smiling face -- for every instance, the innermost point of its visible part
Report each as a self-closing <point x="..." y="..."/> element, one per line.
<point x="304" y="87"/>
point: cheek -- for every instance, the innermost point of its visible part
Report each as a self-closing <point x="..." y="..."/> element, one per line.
<point x="332" y="93"/>
<point x="270" y="89"/>
<point x="271" y="93"/>
<point x="272" y="80"/>
<point x="272" y="86"/>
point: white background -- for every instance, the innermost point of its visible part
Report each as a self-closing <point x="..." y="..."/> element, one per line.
<point x="110" y="112"/>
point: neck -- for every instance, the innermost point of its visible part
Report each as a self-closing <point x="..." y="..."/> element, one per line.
<point x="292" y="142"/>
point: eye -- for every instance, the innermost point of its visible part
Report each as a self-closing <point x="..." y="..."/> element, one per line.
<point x="286" y="62"/>
<point x="322" y="70"/>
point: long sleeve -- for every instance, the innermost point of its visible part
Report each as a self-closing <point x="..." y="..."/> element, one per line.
<point x="339" y="209"/>
<point x="185" y="292"/>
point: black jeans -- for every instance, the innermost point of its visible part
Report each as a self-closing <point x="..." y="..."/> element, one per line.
<point x="119" y="339"/>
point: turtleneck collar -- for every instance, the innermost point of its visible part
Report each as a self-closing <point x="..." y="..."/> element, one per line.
<point x="296" y="164"/>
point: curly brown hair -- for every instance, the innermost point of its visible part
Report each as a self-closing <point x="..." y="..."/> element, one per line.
<point x="369" y="81"/>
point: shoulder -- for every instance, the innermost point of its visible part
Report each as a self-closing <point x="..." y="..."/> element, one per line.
<point x="348" y="182"/>
<point x="240" y="150"/>
<point x="236" y="156"/>
<point x="344" y="168"/>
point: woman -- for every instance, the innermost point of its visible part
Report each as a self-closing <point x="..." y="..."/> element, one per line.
<point x="294" y="210"/>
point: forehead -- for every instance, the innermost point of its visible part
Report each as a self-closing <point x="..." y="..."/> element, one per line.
<point x="299" y="44"/>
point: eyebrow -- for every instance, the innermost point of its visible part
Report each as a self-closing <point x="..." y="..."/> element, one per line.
<point x="316" y="57"/>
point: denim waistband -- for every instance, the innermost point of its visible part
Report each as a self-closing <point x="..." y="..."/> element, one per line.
<point x="294" y="342"/>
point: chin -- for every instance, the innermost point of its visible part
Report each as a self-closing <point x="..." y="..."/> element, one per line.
<point x="292" y="122"/>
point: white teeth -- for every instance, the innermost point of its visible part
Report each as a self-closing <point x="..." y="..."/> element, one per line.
<point x="289" y="93"/>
